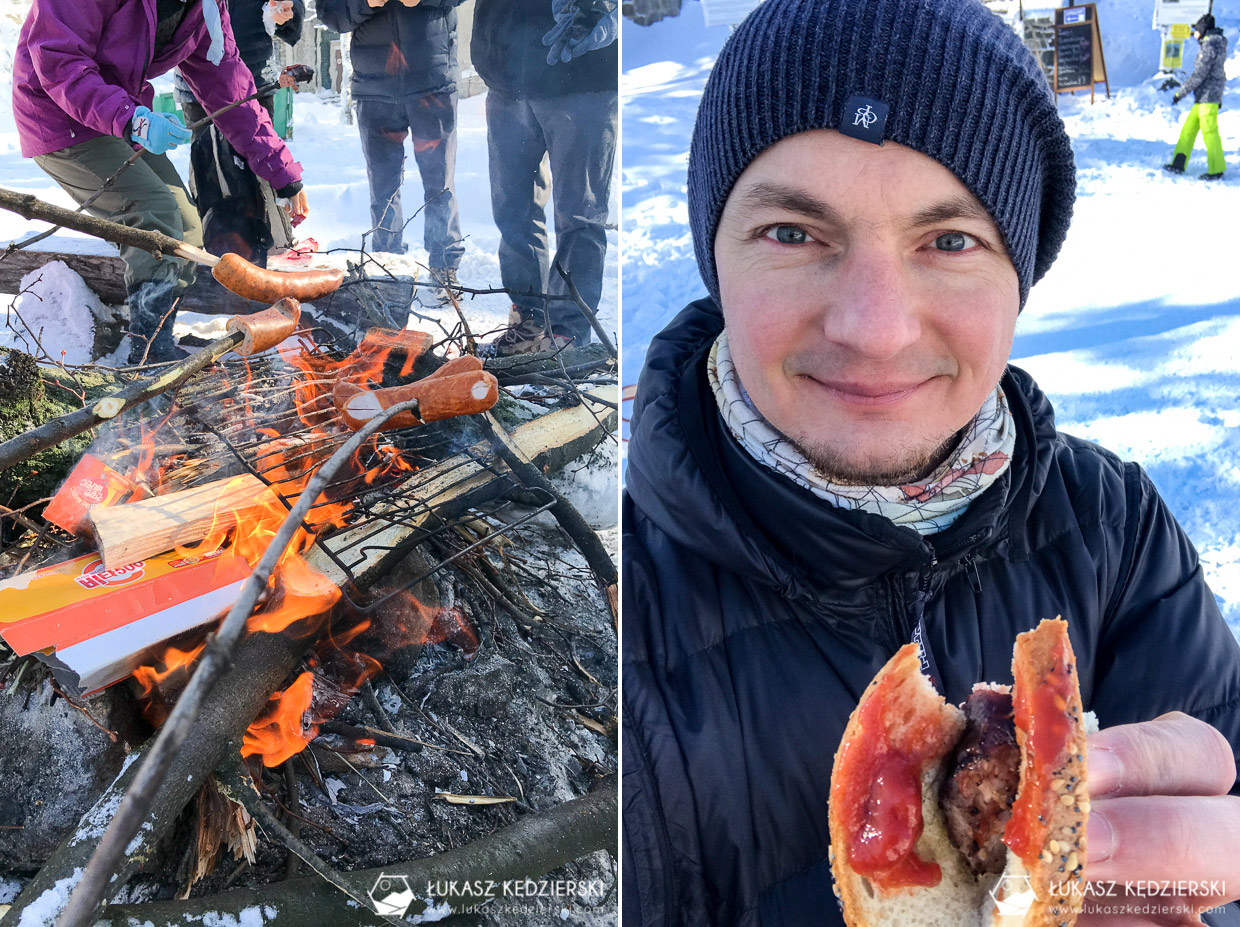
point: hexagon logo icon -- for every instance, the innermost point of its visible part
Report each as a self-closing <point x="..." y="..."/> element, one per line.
<point x="1013" y="895"/>
<point x="391" y="895"/>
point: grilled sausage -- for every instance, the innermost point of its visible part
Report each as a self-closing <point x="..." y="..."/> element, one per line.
<point x="439" y="397"/>
<point x="268" y="328"/>
<point x="978" y="791"/>
<point x="258" y="283"/>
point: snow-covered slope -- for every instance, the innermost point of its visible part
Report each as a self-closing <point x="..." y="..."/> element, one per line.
<point x="1133" y="333"/>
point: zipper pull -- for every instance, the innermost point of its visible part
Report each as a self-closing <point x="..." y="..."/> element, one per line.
<point x="975" y="579"/>
<point x="928" y="568"/>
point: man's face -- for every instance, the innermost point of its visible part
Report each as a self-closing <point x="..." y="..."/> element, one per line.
<point x="869" y="301"/>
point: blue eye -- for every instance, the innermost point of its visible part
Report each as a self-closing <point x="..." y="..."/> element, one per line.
<point x="955" y="241"/>
<point x="788" y="235"/>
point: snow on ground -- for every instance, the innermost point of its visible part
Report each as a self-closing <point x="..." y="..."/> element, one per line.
<point x="1133" y="333"/>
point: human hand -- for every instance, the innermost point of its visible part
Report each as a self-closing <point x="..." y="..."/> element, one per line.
<point x="1177" y="98"/>
<point x="580" y="26"/>
<point x="282" y="11"/>
<point x="296" y="206"/>
<point x="287" y="80"/>
<point x="157" y="132"/>
<point x="1163" y="832"/>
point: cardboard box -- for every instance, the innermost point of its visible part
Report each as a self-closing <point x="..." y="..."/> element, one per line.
<point x="102" y="624"/>
<point x="91" y="482"/>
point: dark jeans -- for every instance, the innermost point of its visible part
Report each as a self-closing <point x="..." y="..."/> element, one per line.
<point x="578" y="134"/>
<point x="431" y="120"/>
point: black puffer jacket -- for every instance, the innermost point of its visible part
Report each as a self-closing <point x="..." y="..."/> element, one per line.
<point x="755" y="615"/>
<point x="397" y="51"/>
<point x="508" y="52"/>
<point x="253" y="42"/>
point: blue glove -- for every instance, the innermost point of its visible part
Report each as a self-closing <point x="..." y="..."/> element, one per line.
<point x="557" y="37"/>
<point x="602" y="35"/>
<point x="158" y="132"/>
<point x="577" y="31"/>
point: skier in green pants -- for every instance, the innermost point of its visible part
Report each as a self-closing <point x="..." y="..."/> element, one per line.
<point x="1206" y="83"/>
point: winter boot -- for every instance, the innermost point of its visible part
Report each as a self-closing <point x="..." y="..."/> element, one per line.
<point x="1209" y="176"/>
<point x="526" y="334"/>
<point x="1177" y="165"/>
<point x="443" y="278"/>
<point x="151" y="316"/>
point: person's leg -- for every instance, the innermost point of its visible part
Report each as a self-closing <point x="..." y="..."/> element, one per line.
<point x="1188" y="135"/>
<point x="432" y="124"/>
<point x="147" y="195"/>
<point x="581" y="138"/>
<point x="519" y="192"/>
<point x="1217" y="164"/>
<point x="383" y="128"/>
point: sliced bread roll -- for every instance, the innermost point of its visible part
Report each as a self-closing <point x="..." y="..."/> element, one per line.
<point x="892" y="858"/>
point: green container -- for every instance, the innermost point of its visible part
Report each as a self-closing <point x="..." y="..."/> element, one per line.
<point x="284" y="112"/>
<point x="166" y="103"/>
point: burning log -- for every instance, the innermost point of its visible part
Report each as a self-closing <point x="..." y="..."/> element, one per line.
<point x="528" y="849"/>
<point x="259" y="665"/>
<point x="126" y="534"/>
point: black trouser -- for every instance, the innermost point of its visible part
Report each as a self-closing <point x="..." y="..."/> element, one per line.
<point x="577" y="133"/>
<point x="431" y="120"/>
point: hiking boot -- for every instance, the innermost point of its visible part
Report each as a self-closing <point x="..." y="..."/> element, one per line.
<point x="1177" y="165"/>
<point x="526" y="334"/>
<point x="151" y="317"/>
<point x="1209" y="176"/>
<point x="442" y="278"/>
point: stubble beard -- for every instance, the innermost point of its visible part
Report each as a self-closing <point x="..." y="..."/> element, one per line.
<point x="908" y="465"/>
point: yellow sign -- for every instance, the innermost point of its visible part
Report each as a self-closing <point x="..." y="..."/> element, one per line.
<point x="1181" y="30"/>
<point x="1172" y="54"/>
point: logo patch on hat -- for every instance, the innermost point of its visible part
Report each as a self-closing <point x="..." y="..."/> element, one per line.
<point x="864" y="118"/>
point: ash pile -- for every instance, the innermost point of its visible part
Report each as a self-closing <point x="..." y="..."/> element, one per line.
<point x="323" y="634"/>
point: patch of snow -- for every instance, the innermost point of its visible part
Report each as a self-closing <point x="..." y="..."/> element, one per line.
<point x="57" y="310"/>
<point x="434" y="912"/>
<point x="43" y="911"/>
<point x="9" y="890"/>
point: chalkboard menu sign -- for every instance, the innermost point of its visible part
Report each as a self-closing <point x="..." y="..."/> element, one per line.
<point x="1079" y="60"/>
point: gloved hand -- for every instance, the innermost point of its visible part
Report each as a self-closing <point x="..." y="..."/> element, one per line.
<point x="579" y="28"/>
<point x="158" y="132"/>
<point x="1178" y="97"/>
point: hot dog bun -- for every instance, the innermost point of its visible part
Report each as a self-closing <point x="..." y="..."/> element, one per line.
<point x="893" y="860"/>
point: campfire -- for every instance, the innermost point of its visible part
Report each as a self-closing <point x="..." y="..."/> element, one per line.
<point x="376" y="523"/>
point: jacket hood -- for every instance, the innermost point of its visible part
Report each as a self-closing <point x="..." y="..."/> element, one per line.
<point x="690" y="477"/>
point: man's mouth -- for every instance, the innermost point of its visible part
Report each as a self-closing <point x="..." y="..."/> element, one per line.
<point x="869" y="392"/>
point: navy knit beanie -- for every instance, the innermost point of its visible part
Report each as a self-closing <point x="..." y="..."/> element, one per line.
<point x="960" y="86"/>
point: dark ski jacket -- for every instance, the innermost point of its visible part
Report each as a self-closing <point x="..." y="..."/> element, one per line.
<point x="755" y="614"/>
<point x="253" y="43"/>
<point x="397" y="51"/>
<point x="1209" y="77"/>
<point x="508" y="53"/>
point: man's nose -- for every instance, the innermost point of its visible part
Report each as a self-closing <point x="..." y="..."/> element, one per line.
<point x="871" y="305"/>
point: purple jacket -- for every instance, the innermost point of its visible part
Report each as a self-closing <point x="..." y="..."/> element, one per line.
<point x="81" y="69"/>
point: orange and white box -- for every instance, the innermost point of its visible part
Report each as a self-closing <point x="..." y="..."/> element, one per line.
<point x="91" y="482"/>
<point x="101" y="622"/>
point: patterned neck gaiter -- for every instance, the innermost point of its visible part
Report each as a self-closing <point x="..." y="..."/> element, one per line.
<point x="928" y="506"/>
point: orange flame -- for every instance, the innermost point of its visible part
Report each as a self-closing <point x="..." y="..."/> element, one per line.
<point x="280" y="731"/>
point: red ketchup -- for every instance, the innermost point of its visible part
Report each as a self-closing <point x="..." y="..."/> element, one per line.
<point x="1042" y="715"/>
<point x="879" y="791"/>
